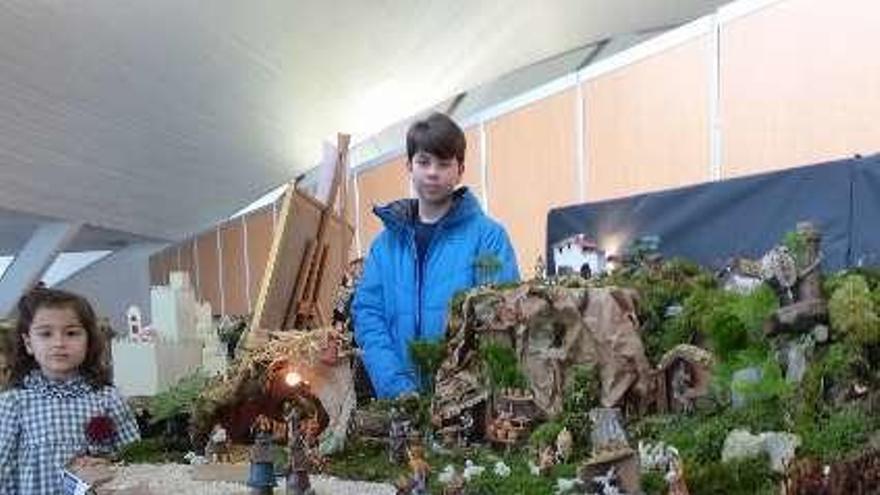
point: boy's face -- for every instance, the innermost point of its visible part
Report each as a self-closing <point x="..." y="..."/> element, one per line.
<point x="434" y="178"/>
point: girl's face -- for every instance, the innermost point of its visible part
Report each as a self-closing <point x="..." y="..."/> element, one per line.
<point x="57" y="341"/>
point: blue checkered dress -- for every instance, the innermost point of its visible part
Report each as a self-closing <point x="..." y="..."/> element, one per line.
<point x="42" y="427"/>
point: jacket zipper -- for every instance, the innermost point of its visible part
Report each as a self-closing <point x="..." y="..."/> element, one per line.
<point x="418" y="270"/>
<point x="419" y="277"/>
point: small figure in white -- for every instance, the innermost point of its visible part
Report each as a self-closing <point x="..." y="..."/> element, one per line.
<point x="607" y="483"/>
<point x="564" y="445"/>
<point x="466" y="430"/>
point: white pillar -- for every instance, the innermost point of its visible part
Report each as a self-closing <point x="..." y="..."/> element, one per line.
<point x="32" y="261"/>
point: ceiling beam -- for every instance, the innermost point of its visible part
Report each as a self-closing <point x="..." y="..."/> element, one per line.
<point x="32" y="261"/>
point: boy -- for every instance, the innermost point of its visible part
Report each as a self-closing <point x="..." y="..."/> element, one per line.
<point x="426" y="253"/>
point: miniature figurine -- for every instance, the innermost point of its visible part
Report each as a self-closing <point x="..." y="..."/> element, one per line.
<point x="403" y="485"/>
<point x="397" y="437"/>
<point x="466" y="431"/>
<point x="455" y="486"/>
<point x="298" y="475"/>
<point x="546" y="459"/>
<point x="682" y="381"/>
<point x="540" y="269"/>
<point x="420" y="469"/>
<point x="607" y="483"/>
<point x="471" y="470"/>
<point x="675" y="476"/>
<point x="262" y="469"/>
<point x="564" y="443"/>
<point x="217" y="449"/>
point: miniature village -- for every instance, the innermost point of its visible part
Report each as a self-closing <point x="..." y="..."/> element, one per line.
<point x="616" y="374"/>
<point x="654" y="376"/>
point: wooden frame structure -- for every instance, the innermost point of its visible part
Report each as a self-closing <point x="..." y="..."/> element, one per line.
<point x="303" y="271"/>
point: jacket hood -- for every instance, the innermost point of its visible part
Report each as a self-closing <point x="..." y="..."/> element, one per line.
<point x="401" y="215"/>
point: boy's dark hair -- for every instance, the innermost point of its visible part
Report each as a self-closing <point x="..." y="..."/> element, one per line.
<point x="95" y="369"/>
<point x="439" y="135"/>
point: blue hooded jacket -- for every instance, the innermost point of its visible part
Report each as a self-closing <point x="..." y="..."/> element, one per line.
<point x="392" y="306"/>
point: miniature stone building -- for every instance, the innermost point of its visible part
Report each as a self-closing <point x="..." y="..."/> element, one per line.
<point x="684" y="375"/>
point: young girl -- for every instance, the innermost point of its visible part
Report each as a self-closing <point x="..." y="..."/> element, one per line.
<point x="61" y="404"/>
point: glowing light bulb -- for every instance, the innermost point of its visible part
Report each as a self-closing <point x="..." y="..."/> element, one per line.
<point x="293" y="378"/>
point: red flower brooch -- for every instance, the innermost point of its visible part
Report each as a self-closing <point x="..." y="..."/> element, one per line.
<point x="101" y="430"/>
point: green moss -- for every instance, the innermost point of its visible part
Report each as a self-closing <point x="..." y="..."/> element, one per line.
<point x="727" y="333"/>
<point x="740" y="477"/>
<point x="852" y="312"/>
<point x="833" y="364"/>
<point x="673" y="282"/>
<point x="771" y="387"/>
<point x="699" y="441"/>
<point x="735" y="321"/>
<point x="832" y="281"/>
<point x="545" y="434"/>
<point x="837" y="433"/>
<point x="700" y="438"/>
<point x="755" y="308"/>
<point x="501" y="366"/>
<point x="653" y="483"/>
<point x="178" y="400"/>
<point x="151" y="451"/>
<point x="581" y="396"/>
<point x="366" y="461"/>
<point x="796" y="242"/>
<point x="672" y="332"/>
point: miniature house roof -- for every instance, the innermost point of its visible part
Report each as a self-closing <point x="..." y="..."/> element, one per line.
<point x="743" y="266"/>
<point x="578" y="240"/>
<point x="690" y="353"/>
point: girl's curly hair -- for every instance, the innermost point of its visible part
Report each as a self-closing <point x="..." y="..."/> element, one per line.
<point x="96" y="367"/>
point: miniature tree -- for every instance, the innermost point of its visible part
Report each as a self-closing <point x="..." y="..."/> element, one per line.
<point x="427" y="357"/>
<point x="581" y="396"/>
